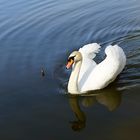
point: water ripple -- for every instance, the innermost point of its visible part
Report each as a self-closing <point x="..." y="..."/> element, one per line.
<point x="37" y="30"/>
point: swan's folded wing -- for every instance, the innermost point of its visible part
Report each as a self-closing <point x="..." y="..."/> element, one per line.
<point x="90" y="50"/>
<point x="88" y="53"/>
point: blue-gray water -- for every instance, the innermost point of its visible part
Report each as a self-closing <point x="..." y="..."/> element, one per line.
<point x="42" y="33"/>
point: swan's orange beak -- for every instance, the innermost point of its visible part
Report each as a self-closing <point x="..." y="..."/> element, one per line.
<point x="69" y="63"/>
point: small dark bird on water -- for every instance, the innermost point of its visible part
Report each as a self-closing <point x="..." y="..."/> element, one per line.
<point x="42" y="72"/>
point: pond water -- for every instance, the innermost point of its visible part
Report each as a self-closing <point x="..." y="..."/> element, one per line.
<point x="36" y="34"/>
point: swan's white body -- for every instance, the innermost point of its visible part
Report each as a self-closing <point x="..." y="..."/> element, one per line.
<point x="87" y="75"/>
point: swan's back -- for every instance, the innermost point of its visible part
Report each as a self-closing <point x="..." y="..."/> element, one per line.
<point x="106" y="71"/>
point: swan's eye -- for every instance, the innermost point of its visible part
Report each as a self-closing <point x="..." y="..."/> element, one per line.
<point x="71" y="58"/>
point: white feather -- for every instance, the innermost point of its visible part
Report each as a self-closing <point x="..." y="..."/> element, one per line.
<point x="106" y="71"/>
<point x="88" y="53"/>
<point x="90" y="50"/>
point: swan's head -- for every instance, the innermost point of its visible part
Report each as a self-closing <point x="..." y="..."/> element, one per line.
<point x="74" y="57"/>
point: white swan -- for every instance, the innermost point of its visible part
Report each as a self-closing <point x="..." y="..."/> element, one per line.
<point x="86" y="75"/>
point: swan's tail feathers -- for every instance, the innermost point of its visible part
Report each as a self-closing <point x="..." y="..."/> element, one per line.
<point x="116" y="53"/>
<point x="90" y="50"/>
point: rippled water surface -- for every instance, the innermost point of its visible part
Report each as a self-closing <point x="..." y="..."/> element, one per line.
<point x="37" y="34"/>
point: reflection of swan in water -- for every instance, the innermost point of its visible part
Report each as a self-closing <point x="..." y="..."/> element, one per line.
<point x="81" y="118"/>
<point x="110" y="98"/>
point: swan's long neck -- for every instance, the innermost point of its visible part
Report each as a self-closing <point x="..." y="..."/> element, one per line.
<point x="73" y="81"/>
